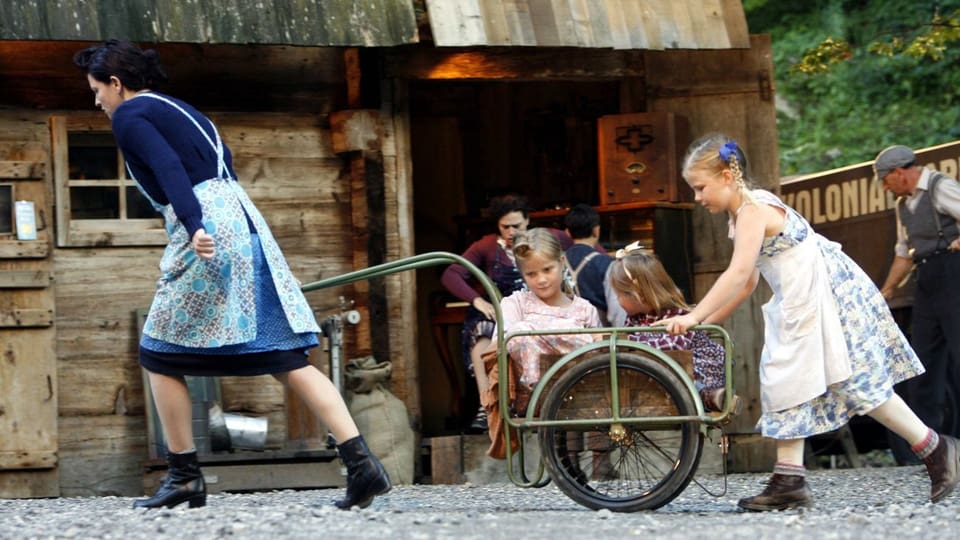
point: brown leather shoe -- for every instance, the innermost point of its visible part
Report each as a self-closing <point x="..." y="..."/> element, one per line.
<point x="782" y="492"/>
<point x="943" y="466"/>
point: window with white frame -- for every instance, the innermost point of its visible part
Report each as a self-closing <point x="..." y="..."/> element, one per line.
<point x="96" y="203"/>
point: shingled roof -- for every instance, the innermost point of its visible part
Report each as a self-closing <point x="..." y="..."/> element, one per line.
<point x="617" y="24"/>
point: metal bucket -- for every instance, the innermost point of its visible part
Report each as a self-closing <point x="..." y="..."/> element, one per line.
<point x="246" y="431"/>
<point x="219" y="436"/>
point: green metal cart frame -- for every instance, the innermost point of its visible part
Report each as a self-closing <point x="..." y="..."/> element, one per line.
<point x="592" y="447"/>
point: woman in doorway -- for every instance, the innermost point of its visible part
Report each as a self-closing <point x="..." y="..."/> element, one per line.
<point x="226" y="302"/>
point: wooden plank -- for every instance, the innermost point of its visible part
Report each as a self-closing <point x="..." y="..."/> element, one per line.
<point x="28" y="459"/>
<point x="102" y="455"/>
<point x="25" y="318"/>
<point x="100" y="385"/>
<point x="311" y="22"/>
<point x="591" y="23"/>
<point x="456" y="23"/>
<point x="446" y="460"/>
<point x="24" y="279"/>
<point x="23" y="170"/>
<point x="25" y="249"/>
<point x="519" y="22"/>
<point x="563" y="15"/>
<point x="709" y="26"/>
<point x="659" y="14"/>
<point x="275" y="135"/>
<point x="30" y="484"/>
<point x="269" y="475"/>
<point x="59" y="156"/>
<point x="735" y="22"/>
<point x="709" y="72"/>
<point x="544" y="22"/>
<point x="512" y="64"/>
<point x="494" y="17"/>
<point x="646" y="18"/>
<point x="28" y="395"/>
<point x="682" y="23"/>
<point x="402" y="291"/>
<point x="617" y="21"/>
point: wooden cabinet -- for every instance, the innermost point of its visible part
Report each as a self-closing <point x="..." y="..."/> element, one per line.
<point x="639" y="157"/>
<point x="666" y="228"/>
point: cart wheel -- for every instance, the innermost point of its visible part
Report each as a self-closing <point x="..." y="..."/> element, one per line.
<point x="621" y="467"/>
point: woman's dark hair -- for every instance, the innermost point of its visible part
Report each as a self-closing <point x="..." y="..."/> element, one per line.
<point x="505" y="204"/>
<point x="137" y="69"/>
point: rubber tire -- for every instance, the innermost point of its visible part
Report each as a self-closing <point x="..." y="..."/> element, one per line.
<point x="677" y="464"/>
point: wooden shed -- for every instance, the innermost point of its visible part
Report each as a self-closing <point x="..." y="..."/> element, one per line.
<point x="365" y="132"/>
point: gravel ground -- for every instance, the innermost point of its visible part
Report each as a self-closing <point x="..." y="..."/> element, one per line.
<point x="888" y="502"/>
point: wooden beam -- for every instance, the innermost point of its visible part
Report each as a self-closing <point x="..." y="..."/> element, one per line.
<point x="21" y="249"/>
<point x="28" y="459"/>
<point x="24" y="279"/>
<point x="512" y="64"/>
<point x="23" y="170"/>
<point x="25" y="318"/>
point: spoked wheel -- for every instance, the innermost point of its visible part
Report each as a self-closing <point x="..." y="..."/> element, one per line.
<point x="621" y="467"/>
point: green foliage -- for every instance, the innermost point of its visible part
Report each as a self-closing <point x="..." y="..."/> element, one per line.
<point x="855" y="76"/>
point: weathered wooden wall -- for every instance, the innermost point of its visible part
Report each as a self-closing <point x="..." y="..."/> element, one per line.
<point x="289" y="169"/>
<point x="28" y="377"/>
<point x="286" y="161"/>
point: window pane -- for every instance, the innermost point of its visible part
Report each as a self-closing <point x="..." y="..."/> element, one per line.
<point x="138" y="207"/>
<point x="92" y="156"/>
<point x="94" y="202"/>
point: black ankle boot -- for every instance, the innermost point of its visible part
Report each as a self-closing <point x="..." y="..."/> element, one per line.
<point x="183" y="482"/>
<point x="366" y="477"/>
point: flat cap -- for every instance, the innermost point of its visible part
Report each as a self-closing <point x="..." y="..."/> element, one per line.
<point x="890" y="158"/>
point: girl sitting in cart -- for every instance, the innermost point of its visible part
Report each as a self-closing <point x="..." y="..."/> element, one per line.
<point x="647" y="293"/>
<point x="546" y="305"/>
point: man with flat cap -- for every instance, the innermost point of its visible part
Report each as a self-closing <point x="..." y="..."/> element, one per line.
<point x="928" y="239"/>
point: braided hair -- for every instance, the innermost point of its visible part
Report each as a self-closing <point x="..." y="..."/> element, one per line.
<point x="715" y="152"/>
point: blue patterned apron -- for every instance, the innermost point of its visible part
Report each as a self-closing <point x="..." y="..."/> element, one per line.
<point x="211" y="303"/>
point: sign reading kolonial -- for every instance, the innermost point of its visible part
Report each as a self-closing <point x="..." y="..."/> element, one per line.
<point x="848" y="206"/>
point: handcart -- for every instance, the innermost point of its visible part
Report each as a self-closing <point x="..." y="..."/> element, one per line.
<point x="620" y="424"/>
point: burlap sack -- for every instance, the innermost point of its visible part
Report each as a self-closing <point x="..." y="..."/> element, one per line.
<point x="381" y="417"/>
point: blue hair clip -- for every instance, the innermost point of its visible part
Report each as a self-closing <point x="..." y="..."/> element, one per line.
<point x="728" y="150"/>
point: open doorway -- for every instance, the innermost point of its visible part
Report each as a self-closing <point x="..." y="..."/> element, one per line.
<point x="470" y="141"/>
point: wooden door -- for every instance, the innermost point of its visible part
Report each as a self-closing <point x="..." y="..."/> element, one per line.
<point x="728" y="91"/>
<point x="28" y="374"/>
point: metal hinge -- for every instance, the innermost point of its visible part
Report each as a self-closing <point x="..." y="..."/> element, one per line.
<point x="764" y="85"/>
